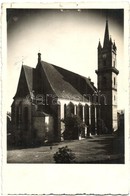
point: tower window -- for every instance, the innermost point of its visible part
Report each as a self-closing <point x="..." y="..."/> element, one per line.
<point x="104" y="59"/>
<point x="114" y="63"/>
<point x="114" y="81"/>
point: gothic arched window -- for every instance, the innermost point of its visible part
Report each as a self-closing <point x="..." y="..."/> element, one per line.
<point x="70" y="109"/>
<point x="114" y="81"/>
<point x="114" y="62"/>
<point x="26" y="122"/>
<point x="104" y="59"/>
<point x="80" y="111"/>
<point x="19" y="115"/>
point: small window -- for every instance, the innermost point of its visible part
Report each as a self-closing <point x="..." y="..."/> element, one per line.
<point x="114" y="63"/>
<point x="114" y="81"/>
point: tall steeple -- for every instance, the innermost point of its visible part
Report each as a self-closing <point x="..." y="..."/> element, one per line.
<point x="106" y="36"/>
<point x="107" y="82"/>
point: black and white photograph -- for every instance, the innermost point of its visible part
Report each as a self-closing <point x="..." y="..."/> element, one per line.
<point x="65" y="86"/>
<point x="65" y="98"/>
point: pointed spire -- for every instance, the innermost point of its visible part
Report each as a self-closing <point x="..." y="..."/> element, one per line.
<point x="106" y="36"/>
<point x="110" y="39"/>
<point x="22" y="60"/>
<point x="99" y="45"/>
<point x="114" y="46"/>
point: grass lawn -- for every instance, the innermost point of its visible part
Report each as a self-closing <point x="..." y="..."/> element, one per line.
<point x="97" y="149"/>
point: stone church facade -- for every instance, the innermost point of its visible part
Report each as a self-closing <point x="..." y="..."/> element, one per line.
<point x="48" y="94"/>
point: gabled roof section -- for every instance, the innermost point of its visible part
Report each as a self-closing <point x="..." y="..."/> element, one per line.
<point x="25" y="84"/>
<point x="71" y="75"/>
<point x="59" y="85"/>
<point x="60" y="82"/>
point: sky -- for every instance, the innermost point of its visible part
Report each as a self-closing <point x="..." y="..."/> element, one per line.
<point x="67" y="38"/>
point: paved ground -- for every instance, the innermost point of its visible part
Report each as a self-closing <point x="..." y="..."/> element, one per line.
<point x="97" y="149"/>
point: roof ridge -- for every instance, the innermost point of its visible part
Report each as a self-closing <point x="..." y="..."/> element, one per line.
<point x="69" y="71"/>
<point x="66" y="70"/>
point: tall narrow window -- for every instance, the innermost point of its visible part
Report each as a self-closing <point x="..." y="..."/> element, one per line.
<point x="26" y="123"/>
<point x="70" y="109"/>
<point x="80" y="111"/>
<point x="114" y="63"/>
<point x="114" y="81"/>
<point x="64" y="110"/>
<point x="19" y="115"/>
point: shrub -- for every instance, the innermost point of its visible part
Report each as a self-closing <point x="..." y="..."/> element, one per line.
<point x="64" y="155"/>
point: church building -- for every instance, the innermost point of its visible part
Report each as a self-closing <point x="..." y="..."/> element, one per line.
<point x="47" y="94"/>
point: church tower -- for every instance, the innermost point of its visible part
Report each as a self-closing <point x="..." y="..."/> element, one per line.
<point x="107" y="83"/>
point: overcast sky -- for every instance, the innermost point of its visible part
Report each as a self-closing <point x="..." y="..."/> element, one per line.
<point x="66" y="38"/>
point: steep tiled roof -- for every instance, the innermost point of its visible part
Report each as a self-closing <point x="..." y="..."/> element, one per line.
<point x="25" y="83"/>
<point x="61" y="87"/>
<point x="63" y="83"/>
<point x="74" y="77"/>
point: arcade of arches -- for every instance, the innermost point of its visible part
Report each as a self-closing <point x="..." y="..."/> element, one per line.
<point x="88" y="113"/>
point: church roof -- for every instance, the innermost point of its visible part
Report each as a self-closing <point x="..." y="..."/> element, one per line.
<point x="60" y="86"/>
<point x="66" y="84"/>
<point x="25" y="84"/>
<point x="29" y="76"/>
<point x="71" y="74"/>
<point x="63" y="83"/>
